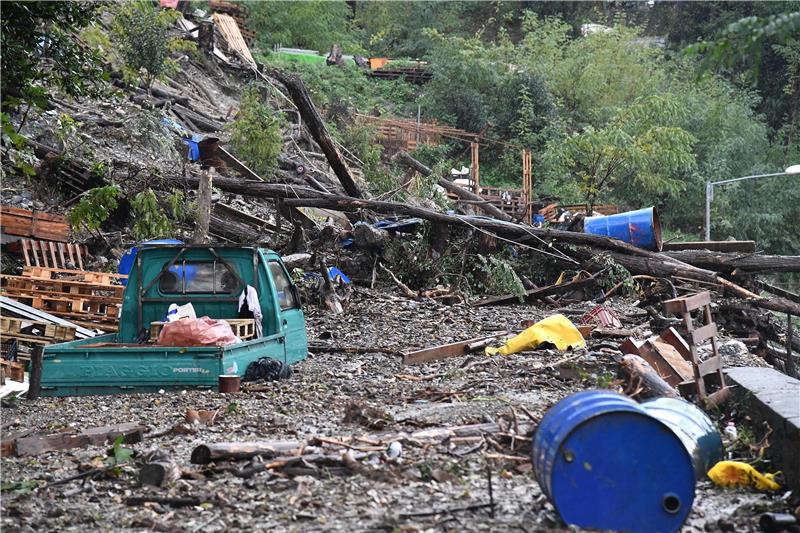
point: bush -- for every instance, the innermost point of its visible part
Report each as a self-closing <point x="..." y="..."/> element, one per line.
<point x="256" y="133"/>
<point x="141" y="33"/>
<point x="94" y="208"/>
<point x="150" y="220"/>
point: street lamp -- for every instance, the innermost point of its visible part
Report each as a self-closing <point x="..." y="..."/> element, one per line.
<point x="791" y="170"/>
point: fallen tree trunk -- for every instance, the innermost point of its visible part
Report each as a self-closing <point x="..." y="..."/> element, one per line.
<point x="727" y="262"/>
<point x="536" y="294"/>
<point x="643" y="381"/>
<point x="236" y="231"/>
<point x="200" y="235"/>
<point x="206" y="453"/>
<point x="257" y="189"/>
<point x="636" y="260"/>
<point x="449" y="186"/>
<point x="312" y="119"/>
<point x="654" y="267"/>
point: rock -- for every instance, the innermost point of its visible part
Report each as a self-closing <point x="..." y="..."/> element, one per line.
<point x="732" y="349"/>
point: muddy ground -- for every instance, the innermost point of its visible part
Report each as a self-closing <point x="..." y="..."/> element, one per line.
<point x="381" y="494"/>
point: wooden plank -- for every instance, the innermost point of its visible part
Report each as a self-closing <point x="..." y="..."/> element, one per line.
<point x="444" y="351"/>
<point x="61" y="254"/>
<point x="80" y="259"/>
<point x="714" y="246"/>
<point x="34" y="253"/>
<point x="52" y="252"/>
<point x="132" y="432"/>
<point x="71" y="258"/>
<point x="25" y="245"/>
<point x="710" y="365"/>
<point x="679" y="306"/>
<point x="44" y="252"/>
<point x="703" y="333"/>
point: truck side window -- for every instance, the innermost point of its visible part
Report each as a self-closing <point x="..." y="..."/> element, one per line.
<point x="283" y="286"/>
<point x="198" y="277"/>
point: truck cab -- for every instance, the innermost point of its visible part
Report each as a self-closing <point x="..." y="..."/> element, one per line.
<point x="213" y="280"/>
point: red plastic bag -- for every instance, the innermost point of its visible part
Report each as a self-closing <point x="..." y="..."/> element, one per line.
<point x="203" y="331"/>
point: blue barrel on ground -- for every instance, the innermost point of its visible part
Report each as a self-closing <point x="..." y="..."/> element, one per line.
<point x="698" y="433"/>
<point x="127" y="261"/>
<point x="606" y="464"/>
<point x="640" y="228"/>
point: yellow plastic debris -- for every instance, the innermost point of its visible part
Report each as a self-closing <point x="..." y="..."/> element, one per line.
<point x="556" y="329"/>
<point x="733" y="474"/>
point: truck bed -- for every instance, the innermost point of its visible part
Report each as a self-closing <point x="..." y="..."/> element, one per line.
<point x="101" y="365"/>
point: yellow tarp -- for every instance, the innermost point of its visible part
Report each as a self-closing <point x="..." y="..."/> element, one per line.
<point x="733" y="474"/>
<point x="556" y="329"/>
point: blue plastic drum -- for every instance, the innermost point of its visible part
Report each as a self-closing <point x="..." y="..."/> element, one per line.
<point x="605" y="463"/>
<point x="697" y="432"/>
<point x="640" y="228"/>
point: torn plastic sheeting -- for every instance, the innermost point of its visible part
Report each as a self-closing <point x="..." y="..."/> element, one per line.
<point x="735" y="474"/>
<point x="202" y="331"/>
<point x="334" y="274"/>
<point x="556" y="329"/>
<point x="408" y="225"/>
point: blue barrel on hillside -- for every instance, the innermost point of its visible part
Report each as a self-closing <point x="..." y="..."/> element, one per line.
<point x="698" y="433"/>
<point x="605" y="463"/>
<point x="640" y="228"/>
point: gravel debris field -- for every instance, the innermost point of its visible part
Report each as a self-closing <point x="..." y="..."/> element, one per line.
<point x="434" y="484"/>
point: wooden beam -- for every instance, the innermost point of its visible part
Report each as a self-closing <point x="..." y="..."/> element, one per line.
<point x="131" y="432"/>
<point x="313" y="120"/>
<point x="445" y="351"/>
<point x="535" y="294"/>
<point x="714" y="246"/>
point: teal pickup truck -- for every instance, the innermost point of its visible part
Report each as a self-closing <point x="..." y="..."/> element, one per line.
<point x="212" y="280"/>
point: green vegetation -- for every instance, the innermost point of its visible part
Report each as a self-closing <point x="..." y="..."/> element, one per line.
<point x="310" y="24"/>
<point x="38" y="50"/>
<point x="150" y="221"/>
<point x="256" y="134"/>
<point x="611" y="116"/>
<point x="94" y="208"/>
<point x="141" y="34"/>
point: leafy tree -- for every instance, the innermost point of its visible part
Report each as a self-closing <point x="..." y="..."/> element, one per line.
<point x="142" y="38"/>
<point x="149" y="219"/>
<point x="94" y="208"/>
<point x="313" y="24"/>
<point x="641" y="149"/>
<point x="37" y="50"/>
<point x="256" y="133"/>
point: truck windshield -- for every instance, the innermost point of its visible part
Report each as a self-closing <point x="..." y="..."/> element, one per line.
<point x="286" y="297"/>
<point x="198" y="277"/>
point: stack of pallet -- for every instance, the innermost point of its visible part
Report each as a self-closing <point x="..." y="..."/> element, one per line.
<point x="16" y="332"/>
<point x="89" y="299"/>
<point x="239" y="13"/>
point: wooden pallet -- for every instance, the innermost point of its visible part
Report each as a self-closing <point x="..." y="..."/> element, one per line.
<point x="88" y="276"/>
<point x="35" y="224"/>
<point x="12" y="327"/>
<point x="13" y="371"/>
<point x="63" y="287"/>
<point x="710" y="370"/>
<point x="244" y="328"/>
<point x="63" y="306"/>
<point x="51" y="254"/>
